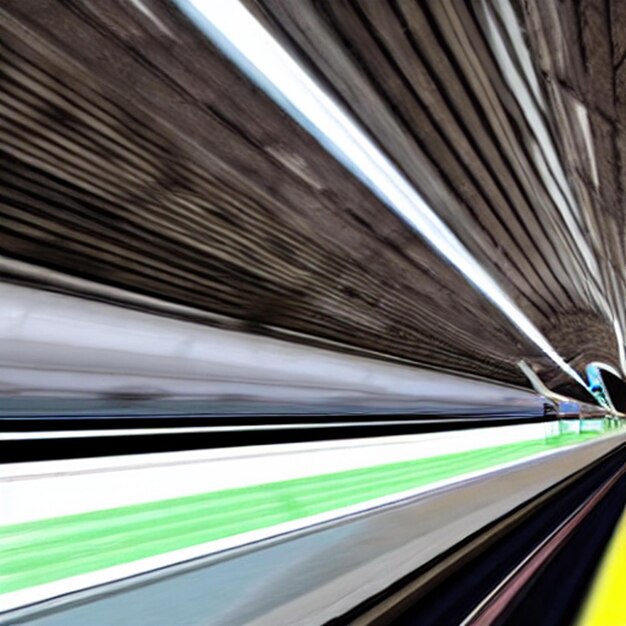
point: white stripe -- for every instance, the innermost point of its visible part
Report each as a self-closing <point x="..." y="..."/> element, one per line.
<point x="38" y="593"/>
<point x="129" y="432"/>
<point x="32" y="491"/>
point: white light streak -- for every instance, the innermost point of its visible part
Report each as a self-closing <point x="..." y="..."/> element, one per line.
<point x="235" y="30"/>
<point x="620" y="345"/>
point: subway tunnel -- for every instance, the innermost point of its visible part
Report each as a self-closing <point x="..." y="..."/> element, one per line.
<point x="312" y="311"/>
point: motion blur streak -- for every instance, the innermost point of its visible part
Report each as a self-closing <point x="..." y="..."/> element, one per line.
<point x="56" y="346"/>
<point x="60" y="550"/>
<point x="250" y="46"/>
<point x="75" y="486"/>
<point x="312" y="311"/>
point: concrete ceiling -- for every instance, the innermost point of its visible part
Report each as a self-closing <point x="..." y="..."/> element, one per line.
<point x="134" y="155"/>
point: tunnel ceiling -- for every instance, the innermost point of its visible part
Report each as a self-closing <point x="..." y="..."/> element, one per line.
<point x="135" y="156"/>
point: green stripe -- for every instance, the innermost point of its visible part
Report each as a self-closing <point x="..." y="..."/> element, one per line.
<point x="47" y="550"/>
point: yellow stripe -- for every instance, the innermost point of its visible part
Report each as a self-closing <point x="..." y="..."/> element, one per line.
<point x="606" y="604"/>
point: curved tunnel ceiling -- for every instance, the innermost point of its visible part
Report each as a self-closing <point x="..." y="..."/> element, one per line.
<point x="135" y="156"/>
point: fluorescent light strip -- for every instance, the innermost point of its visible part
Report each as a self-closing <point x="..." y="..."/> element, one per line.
<point x="242" y="38"/>
<point x="620" y="345"/>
